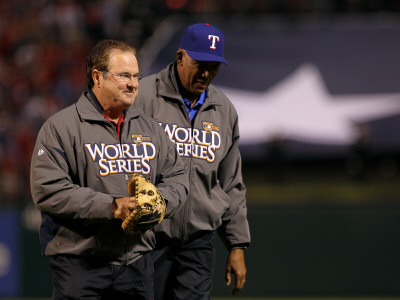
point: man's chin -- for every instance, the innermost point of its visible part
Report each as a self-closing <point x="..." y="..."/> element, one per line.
<point x="129" y="98"/>
<point x="201" y="89"/>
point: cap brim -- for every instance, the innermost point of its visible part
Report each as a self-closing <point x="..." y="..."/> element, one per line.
<point x="200" y="56"/>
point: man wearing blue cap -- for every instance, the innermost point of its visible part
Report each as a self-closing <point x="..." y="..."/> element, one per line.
<point x="203" y="124"/>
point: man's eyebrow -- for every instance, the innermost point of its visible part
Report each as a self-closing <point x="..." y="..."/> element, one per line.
<point x="128" y="73"/>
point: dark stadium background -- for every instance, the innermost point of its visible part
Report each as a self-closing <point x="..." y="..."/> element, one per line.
<point x="325" y="218"/>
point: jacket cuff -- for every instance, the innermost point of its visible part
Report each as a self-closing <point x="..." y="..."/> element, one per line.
<point x="243" y="246"/>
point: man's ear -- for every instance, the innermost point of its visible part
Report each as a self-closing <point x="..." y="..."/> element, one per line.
<point x="96" y="76"/>
<point x="179" y="56"/>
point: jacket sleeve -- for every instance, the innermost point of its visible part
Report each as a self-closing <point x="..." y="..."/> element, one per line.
<point x="52" y="187"/>
<point x="235" y="228"/>
<point x="173" y="182"/>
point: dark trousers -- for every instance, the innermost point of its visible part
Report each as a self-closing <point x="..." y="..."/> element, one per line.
<point x="77" y="278"/>
<point x="184" y="272"/>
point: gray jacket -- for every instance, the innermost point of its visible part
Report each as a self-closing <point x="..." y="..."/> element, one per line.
<point x="209" y="148"/>
<point x="79" y="165"/>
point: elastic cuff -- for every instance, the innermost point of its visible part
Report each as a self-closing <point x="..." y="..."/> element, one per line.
<point x="239" y="246"/>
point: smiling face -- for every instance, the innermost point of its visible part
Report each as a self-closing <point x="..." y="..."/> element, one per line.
<point x="195" y="76"/>
<point x="113" y="94"/>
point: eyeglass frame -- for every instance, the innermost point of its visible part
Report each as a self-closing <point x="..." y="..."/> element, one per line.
<point x="126" y="77"/>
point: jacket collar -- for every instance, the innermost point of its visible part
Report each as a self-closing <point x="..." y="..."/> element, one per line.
<point x="89" y="108"/>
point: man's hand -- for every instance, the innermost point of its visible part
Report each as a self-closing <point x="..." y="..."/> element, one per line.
<point x="236" y="265"/>
<point x="121" y="207"/>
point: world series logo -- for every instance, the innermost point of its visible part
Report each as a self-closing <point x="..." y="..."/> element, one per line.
<point x="198" y="143"/>
<point x="123" y="158"/>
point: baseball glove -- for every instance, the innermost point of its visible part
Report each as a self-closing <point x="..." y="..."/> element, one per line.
<point x="150" y="209"/>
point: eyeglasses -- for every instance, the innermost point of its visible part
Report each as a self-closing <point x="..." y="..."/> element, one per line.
<point x="126" y="76"/>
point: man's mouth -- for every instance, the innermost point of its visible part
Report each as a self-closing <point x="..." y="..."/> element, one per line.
<point x="202" y="83"/>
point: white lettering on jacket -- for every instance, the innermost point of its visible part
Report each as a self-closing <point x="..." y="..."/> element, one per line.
<point x="122" y="158"/>
<point x="198" y="143"/>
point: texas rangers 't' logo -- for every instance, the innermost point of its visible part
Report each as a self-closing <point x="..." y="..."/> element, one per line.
<point x="214" y="39"/>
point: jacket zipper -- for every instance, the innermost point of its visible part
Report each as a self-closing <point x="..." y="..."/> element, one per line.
<point x="187" y="207"/>
<point x="186" y="212"/>
<point x="126" y="177"/>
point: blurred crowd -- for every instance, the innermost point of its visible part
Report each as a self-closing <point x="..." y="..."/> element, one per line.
<point x="43" y="46"/>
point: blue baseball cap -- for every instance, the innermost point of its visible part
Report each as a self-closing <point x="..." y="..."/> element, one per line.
<point x="204" y="42"/>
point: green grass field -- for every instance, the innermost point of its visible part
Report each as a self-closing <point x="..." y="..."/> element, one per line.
<point x="329" y="186"/>
<point x="306" y="298"/>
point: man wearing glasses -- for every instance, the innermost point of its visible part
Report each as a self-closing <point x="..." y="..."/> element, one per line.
<point x="83" y="158"/>
<point x="204" y="126"/>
